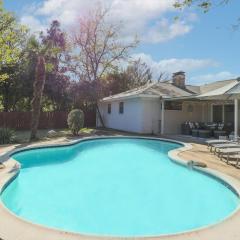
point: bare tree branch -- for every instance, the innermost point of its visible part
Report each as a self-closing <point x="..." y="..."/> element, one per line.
<point x="99" y="44"/>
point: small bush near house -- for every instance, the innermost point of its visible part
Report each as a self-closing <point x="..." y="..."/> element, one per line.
<point x="6" y="135"/>
<point x="75" y="121"/>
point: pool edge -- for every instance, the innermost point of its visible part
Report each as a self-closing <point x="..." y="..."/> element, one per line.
<point x="173" y="155"/>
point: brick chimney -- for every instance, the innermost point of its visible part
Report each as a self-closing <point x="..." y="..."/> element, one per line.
<point x="178" y="79"/>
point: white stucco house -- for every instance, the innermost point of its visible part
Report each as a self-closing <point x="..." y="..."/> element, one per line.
<point x="161" y="108"/>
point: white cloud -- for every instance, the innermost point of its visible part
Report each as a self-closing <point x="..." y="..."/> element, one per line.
<point x="33" y="23"/>
<point x="164" y="30"/>
<point x="147" y="19"/>
<point x="201" y="79"/>
<point x="174" y="64"/>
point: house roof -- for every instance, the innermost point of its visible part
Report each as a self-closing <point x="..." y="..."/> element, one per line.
<point x="168" y="90"/>
<point x="235" y="89"/>
<point x="224" y="89"/>
<point x="157" y="90"/>
<point x="215" y="85"/>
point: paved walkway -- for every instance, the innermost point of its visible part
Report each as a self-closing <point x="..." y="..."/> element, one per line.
<point x="201" y="153"/>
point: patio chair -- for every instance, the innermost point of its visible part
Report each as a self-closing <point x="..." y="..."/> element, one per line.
<point x="235" y="157"/>
<point x="224" y="145"/>
<point x="219" y="141"/>
<point x="226" y="152"/>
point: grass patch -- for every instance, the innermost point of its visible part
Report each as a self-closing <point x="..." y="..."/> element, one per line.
<point x="87" y="130"/>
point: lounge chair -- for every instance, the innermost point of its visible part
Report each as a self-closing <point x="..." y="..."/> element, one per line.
<point x="224" y="145"/>
<point x="228" y="144"/>
<point x="227" y="152"/>
<point x="210" y="142"/>
<point x="235" y="157"/>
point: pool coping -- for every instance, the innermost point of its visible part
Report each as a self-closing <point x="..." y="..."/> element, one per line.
<point x="25" y="230"/>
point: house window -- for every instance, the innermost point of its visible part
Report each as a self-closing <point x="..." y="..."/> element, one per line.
<point x="229" y="113"/>
<point x="217" y="113"/>
<point x="173" y="105"/>
<point x="121" y="107"/>
<point x="223" y="113"/>
<point x="109" y="108"/>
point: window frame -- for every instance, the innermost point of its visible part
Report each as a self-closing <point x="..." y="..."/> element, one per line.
<point x="173" y="105"/>
<point x="109" y="108"/>
<point x="121" y="108"/>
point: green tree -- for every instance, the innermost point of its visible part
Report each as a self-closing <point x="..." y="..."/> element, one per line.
<point x="205" y="5"/>
<point x="46" y="54"/>
<point x="12" y="42"/>
<point x="12" y="39"/>
<point x="39" y="82"/>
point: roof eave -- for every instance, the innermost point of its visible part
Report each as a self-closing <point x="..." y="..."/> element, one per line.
<point x="180" y="98"/>
<point x="109" y="99"/>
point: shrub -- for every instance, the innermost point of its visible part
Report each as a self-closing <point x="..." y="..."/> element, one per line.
<point x="6" y="135"/>
<point x="75" y="121"/>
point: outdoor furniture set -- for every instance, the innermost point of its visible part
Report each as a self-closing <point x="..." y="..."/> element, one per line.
<point x="206" y="130"/>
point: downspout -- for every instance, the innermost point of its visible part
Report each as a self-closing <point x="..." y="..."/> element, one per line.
<point x="100" y="116"/>
<point x="162" y="115"/>
<point x="235" y="118"/>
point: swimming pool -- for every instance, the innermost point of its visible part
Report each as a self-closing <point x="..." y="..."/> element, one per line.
<point x="117" y="187"/>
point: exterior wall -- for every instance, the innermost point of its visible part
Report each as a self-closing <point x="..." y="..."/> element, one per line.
<point x="151" y="113"/>
<point x="140" y="115"/>
<point x="143" y="115"/>
<point x="130" y="120"/>
<point x="209" y="110"/>
<point x="174" y="119"/>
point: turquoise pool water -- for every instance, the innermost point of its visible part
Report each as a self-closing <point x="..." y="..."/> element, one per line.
<point x="120" y="187"/>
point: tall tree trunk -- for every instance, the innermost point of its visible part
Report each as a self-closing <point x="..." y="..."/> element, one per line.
<point x="40" y="77"/>
<point x="6" y="97"/>
<point x="100" y="116"/>
<point x="98" y="92"/>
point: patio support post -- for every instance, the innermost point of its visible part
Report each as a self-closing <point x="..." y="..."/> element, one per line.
<point x="235" y="118"/>
<point x="203" y="112"/>
<point x="223" y="113"/>
<point x="211" y="116"/>
<point x="162" y="116"/>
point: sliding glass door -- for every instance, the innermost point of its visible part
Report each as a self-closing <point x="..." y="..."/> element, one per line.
<point x="223" y="113"/>
<point x="217" y="113"/>
<point x="229" y="113"/>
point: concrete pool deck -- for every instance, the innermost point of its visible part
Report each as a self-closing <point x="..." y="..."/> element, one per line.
<point x="14" y="228"/>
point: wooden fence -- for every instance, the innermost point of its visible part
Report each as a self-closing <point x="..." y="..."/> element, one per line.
<point x="48" y="120"/>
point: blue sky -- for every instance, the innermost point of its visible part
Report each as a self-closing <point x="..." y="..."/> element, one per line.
<point x="203" y="45"/>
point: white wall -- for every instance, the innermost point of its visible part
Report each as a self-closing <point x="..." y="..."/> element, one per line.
<point x="151" y="116"/>
<point x="140" y="115"/>
<point x="130" y="120"/>
<point x="143" y="115"/>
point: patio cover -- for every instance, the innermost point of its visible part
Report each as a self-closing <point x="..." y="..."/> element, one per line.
<point x="223" y="93"/>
